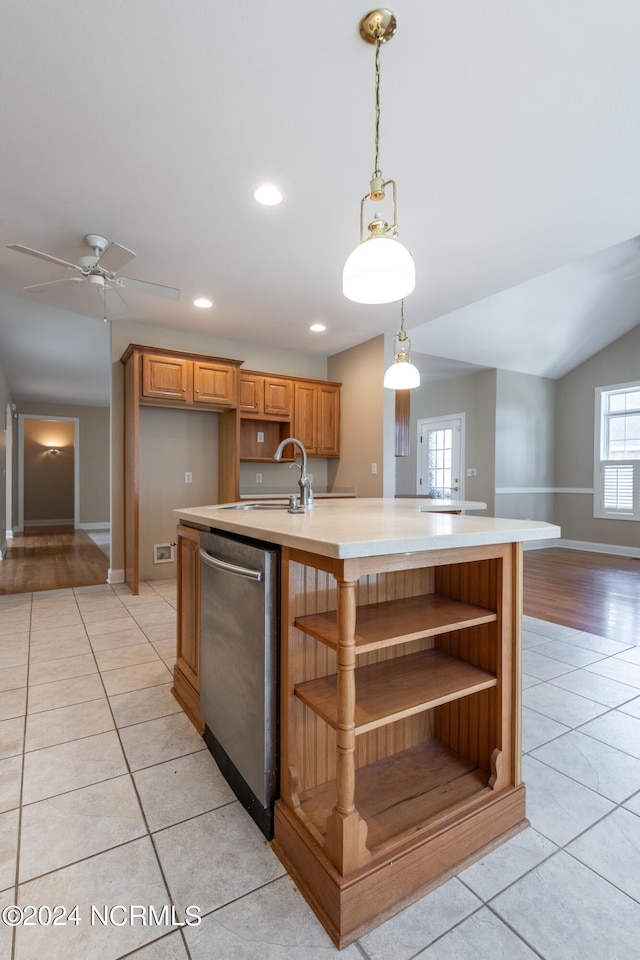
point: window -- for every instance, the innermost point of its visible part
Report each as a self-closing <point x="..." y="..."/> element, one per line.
<point x="617" y="452"/>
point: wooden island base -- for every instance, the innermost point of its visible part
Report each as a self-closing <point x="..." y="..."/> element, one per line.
<point x="348" y="907"/>
<point x="400" y="699"/>
<point x="400" y="725"/>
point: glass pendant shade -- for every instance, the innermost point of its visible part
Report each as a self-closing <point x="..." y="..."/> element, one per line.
<point x="380" y="270"/>
<point x="402" y="375"/>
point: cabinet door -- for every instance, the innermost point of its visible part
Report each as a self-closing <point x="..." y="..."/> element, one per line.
<point x="305" y="414"/>
<point x="328" y="421"/>
<point x="188" y="626"/>
<point x="251" y="399"/>
<point x="215" y="383"/>
<point x="167" y="378"/>
<point x="277" y="397"/>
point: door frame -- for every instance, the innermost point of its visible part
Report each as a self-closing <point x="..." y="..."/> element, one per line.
<point x="76" y="464"/>
<point x="432" y="423"/>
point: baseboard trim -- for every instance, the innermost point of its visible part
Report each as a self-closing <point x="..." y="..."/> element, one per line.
<point x="610" y="548"/>
<point x="49" y="523"/>
<point x="101" y="525"/>
<point x="115" y="576"/>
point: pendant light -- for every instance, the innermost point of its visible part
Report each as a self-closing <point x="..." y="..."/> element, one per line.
<point x="380" y="269"/>
<point x="402" y="374"/>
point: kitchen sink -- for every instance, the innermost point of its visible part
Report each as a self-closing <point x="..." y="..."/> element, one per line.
<point x="257" y="506"/>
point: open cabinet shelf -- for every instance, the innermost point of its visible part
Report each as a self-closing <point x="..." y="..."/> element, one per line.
<point x="392" y="622"/>
<point x="394" y="689"/>
<point x="400" y="724"/>
<point x="403" y="793"/>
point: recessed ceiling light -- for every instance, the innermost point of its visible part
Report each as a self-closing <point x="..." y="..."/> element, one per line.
<point x="202" y="302"/>
<point x="317" y="327"/>
<point x="268" y="195"/>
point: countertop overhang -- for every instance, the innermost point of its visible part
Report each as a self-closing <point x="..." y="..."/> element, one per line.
<point x="365" y="527"/>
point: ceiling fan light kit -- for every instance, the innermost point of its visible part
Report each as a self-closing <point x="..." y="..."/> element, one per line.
<point x="380" y="269"/>
<point x="101" y="271"/>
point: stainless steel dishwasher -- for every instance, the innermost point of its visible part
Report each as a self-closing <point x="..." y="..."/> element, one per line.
<point x="239" y="667"/>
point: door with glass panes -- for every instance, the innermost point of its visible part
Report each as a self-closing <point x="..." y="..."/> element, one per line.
<point x="440" y="458"/>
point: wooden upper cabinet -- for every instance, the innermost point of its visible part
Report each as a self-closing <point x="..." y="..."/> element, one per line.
<point x="262" y="395"/>
<point x="316" y="421"/>
<point x="277" y="397"/>
<point x="172" y="378"/>
<point x="167" y="378"/>
<point x="214" y="383"/>
<point x="328" y="420"/>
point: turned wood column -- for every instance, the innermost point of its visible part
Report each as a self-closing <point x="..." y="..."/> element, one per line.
<point x="346" y="832"/>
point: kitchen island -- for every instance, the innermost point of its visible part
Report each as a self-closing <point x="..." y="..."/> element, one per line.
<point x="400" y="677"/>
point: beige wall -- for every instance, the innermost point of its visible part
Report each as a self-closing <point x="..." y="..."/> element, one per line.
<point x="94" y="454"/>
<point x="617" y="363"/>
<point x="360" y="370"/>
<point x="48" y="478"/>
<point x="196" y="446"/>
<point x="173" y="442"/>
<point x="525" y="446"/>
<point x="474" y="395"/>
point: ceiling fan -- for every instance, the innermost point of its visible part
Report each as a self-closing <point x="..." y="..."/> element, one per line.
<point x="100" y="269"/>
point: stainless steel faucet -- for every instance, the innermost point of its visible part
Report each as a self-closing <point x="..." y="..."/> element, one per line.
<point x="306" y="493"/>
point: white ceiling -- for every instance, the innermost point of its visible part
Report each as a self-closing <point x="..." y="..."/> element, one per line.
<point x="511" y="129"/>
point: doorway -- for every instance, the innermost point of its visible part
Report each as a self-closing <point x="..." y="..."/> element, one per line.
<point x="48" y="471"/>
<point x="441" y="457"/>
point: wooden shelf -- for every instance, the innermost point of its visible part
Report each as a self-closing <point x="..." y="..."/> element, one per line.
<point x="381" y="625"/>
<point x="403" y="793"/>
<point x="393" y="689"/>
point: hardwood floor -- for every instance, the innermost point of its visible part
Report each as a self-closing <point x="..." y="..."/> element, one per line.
<point x="596" y="592"/>
<point x="50" y="558"/>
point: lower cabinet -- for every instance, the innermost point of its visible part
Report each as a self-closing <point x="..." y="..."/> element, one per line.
<point x="400" y="725"/>
<point x="186" y="673"/>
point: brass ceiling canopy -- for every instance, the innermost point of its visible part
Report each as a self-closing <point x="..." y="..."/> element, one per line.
<point x="378" y="24"/>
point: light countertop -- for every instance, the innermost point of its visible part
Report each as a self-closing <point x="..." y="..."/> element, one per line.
<point x="368" y="527"/>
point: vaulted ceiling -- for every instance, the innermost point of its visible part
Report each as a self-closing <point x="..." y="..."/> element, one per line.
<point x="512" y="130"/>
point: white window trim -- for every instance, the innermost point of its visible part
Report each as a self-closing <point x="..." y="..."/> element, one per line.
<point x="599" y="464"/>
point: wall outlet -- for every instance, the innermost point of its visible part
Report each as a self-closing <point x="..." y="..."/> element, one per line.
<point x="260" y="436"/>
<point x="188" y="477"/>
<point x="258" y="478"/>
<point x="374" y="469"/>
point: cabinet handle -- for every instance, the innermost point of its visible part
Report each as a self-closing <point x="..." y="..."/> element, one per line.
<point x="197" y="391"/>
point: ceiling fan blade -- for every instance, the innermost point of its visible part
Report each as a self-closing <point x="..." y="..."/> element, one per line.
<point x="43" y="256"/>
<point x="39" y="287"/>
<point x="155" y="289"/>
<point x="114" y="257"/>
<point x="115" y="304"/>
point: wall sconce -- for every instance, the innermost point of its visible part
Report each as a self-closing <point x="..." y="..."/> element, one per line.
<point x="53" y="450"/>
<point x="402" y="375"/>
<point x="380" y="269"/>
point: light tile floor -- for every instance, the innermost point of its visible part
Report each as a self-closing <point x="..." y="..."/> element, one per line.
<point x="108" y="799"/>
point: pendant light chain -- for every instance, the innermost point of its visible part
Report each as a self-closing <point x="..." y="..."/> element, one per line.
<point x="377" y="172"/>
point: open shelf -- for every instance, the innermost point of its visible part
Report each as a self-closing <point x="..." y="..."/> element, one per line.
<point x="393" y="689"/>
<point x="381" y="625"/>
<point x="401" y="794"/>
<point x="272" y="431"/>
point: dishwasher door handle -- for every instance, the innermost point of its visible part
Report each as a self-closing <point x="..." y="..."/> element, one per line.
<point x="231" y="568"/>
